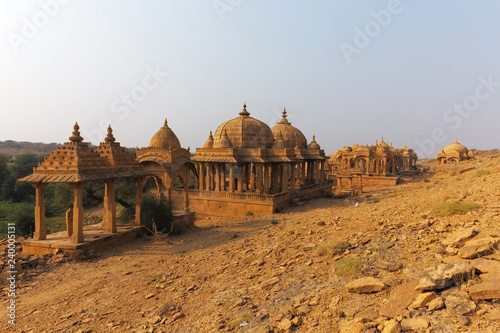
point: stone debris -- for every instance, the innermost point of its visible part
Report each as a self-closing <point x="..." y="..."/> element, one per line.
<point x="423" y="299"/>
<point x="435" y="304"/>
<point x="365" y="285"/>
<point x="391" y="326"/>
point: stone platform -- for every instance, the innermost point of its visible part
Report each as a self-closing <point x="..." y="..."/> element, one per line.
<point x="95" y="239"/>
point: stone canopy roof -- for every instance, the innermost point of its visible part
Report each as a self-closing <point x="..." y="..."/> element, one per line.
<point x="77" y="162"/>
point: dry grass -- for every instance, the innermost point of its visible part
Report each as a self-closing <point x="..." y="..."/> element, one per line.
<point x="349" y="266"/>
<point x="238" y="318"/>
<point x="331" y="247"/>
<point x="454" y="207"/>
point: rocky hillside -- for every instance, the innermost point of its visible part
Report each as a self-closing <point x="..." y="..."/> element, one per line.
<point x="421" y="257"/>
<point x="15" y="148"/>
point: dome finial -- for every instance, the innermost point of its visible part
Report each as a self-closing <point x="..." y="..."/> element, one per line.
<point x="456" y="140"/>
<point x="283" y="118"/>
<point x="244" y="112"/>
<point x="76" y="134"/>
<point x="165" y="125"/>
<point x="110" y="138"/>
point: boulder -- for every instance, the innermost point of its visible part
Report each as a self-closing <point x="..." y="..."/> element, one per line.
<point x="459" y="237"/>
<point x="399" y="299"/>
<point x="478" y="247"/>
<point x="485" y="265"/>
<point x="391" y="326"/>
<point x="459" y="306"/>
<point x="444" y="275"/>
<point x="414" y="324"/>
<point x="486" y="290"/>
<point x="365" y="285"/>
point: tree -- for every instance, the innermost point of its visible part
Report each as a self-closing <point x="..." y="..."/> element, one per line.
<point x="7" y="182"/>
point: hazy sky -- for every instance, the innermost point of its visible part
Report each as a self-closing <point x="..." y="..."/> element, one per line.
<point x="419" y="73"/>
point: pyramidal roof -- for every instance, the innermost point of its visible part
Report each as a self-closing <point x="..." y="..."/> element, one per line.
<point x="76" y="162"/>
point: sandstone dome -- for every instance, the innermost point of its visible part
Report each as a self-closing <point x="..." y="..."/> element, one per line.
<point x="165" y="138"/>
<point x="456" y="147"/>
<point x="292" y="136"/>
<point x="244" y="132"/>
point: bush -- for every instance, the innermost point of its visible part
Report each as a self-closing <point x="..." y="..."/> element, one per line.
<point x="24" y="217"/>
<point x="454" y="207"/>
<point x="248" y="214"/>
<point x="349" y="266"/>
<point x="332" y="247"/>
<point x="482" y="172"/>
<point x="156" y="214"/>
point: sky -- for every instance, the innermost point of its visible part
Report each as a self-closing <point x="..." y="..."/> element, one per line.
<point x="418" y="73"/>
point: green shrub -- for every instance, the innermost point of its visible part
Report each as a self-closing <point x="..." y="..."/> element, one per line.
<point x="274" y="221"/>
<point x="248" y="214"/>
<point x="156" y="214"/>
<point x="454" y="207"/>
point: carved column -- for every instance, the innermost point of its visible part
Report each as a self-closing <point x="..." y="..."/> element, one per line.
<point x="266" y="179"/>
<point x="186" y="191"/>
<point x="251" y="186"/>
<point x="222" y="177"/>
<point x="197" y="182"/>
<point x="201" y="176"/>
<point x="292" y="177"/>
<point x="284" y="177"/>
<point x="77" y="236"/>
<point x="231" y="177"/>
<point x="246" y="176"/>
<point x="258" y="176"/>
<point x="40" y="233"/>
<point x="140" y="182"/>
<point x="210" y="176"/>
<point x="217" y="177"/>
<point x="110" y="205"/>
<point x="241" y="173"/>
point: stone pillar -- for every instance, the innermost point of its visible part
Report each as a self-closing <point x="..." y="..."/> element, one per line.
<point x="217" y="177"/>
<point x="274" y="179"/>
<point x="303" y="173"/>
<point x="292" y="178"/>
<point x="284" y="177"/>
<point x="69" y="221"/>
<point x="251" y="186"/>
<point x="210" y="176"/>
<point x="40" y="233"/>
<point x="241" y="173"/>
<point x="258" y="177"/>
<point x="246" y="177"/>
<point x="266" y="179"/>
<point x="231" y="177"/>
<point x="140" y="182"/>
<point x="317" y="172"/>
<point x="110" y="205"/>
<point x="77" y="236"/>
<point x="197" y="183"/>
<point x="223" y="177"/>
<point x="186" y="191"/>
<point x="201" y="176"/>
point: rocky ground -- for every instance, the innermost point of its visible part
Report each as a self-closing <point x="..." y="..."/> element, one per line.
<point x="381" y="262"/>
